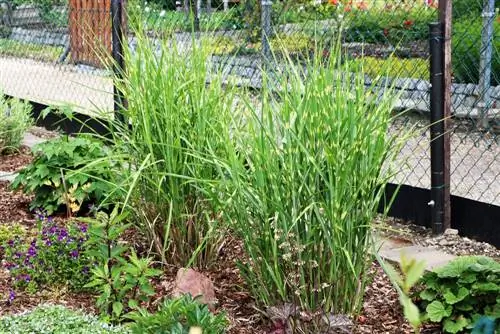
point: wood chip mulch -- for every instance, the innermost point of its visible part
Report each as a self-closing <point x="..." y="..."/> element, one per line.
<point x="16" y="160"/>
<point x="381" y="312"/>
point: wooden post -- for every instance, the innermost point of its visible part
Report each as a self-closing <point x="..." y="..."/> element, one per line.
<point x="445" y="17"/>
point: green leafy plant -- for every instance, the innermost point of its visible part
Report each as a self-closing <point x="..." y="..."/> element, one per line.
<point x="306" y="180"/>
<point x="56" y="319"/>
<point x="121" y="279"/>
<point x="67" y="172"/>
<point x="396" y="25"/>
<point x="53" y="257"/>
<point x="466" y="45"/>
<point x="461" y="292"/>
<point x="177" y="316"/>
<point x="11" y="231"/>
<point x="15" y="119"/>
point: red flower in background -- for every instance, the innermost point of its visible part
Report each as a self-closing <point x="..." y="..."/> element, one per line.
<point x="386" y="32"/>
<point x="333" y="2"/>
<point x="362" y="5"/>
<point x="408" y="24"/>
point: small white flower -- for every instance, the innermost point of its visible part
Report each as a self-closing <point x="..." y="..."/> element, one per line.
<point x="301" y="8"/>
<point x="147" y="9"/>
<point x="317" y="2"/>
<point x="162" y="13"/>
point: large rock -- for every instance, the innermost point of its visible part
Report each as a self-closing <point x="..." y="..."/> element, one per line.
<point x="189" y="281"/>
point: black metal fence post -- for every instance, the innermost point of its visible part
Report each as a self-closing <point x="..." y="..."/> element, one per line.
<point x="436" y="39"/>
<point x="117" y="52"/>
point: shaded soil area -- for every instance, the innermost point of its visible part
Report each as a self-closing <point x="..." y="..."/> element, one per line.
<point x="16" y="161"/>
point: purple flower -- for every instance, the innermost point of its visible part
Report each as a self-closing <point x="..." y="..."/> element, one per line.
<point x="48" y="243"/>
<point x="85" y="270"/>
<point x="10" y="243"/>
<point x="32" y="251"/>
<point x="12" y="295"/>
<point x="74" y="253"/>
<point x="17" y="255"/>
<point x="27" y="278"/>
<point x="83" y="228"/>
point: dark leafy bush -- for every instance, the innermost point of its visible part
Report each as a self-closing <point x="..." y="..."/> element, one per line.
<point x="460" y="293"/>
<point x="466" y="45"/>
<point x="54" y="256"/>
<point x="176" y="316"/>
<point x="15" y="119"/>
<point x="48" y="319"/>
<point x="66" y="172"/>
<point x="469" y="8"/>
<point x="393" y="25"/>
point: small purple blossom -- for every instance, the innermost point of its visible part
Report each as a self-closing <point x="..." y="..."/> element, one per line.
<point x="10" y="243"/>
<point x="83" y="228"/>
<point x="74" y="254"/>
<point x="12" y="296"/>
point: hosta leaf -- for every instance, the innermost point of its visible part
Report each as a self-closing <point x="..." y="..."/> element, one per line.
<point x="452" y="298"/>
<point x="455" y="326"/>
<point x="436" y="311"/>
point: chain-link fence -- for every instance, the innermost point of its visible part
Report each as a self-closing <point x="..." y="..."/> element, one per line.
<point x="48" y="54"/>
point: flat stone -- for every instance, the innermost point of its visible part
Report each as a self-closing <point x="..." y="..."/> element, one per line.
<point x="451" y="231"/>
<point x="432" y="257"/>
<point x="189" y="281"/>
<point x="31" y="140"/>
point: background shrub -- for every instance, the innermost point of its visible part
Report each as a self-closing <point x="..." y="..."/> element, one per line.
<point x="176" y="316"/>
<point x="382" y="25"/>
<point x="67" y="172"/>
<point x="460" y="293"/>
<point x="466" y="45"/>
<point x="15" y="119"/>
<point x="48" y="319"/>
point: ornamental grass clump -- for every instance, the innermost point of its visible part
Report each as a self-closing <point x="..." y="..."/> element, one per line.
<point x="305" y="185"/>
<point x="176" y="122"/>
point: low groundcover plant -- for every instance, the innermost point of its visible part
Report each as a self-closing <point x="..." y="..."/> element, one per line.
<point x="54" y="256"/>
<point x="55" y="319"/>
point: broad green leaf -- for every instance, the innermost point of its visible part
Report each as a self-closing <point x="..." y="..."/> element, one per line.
<point x="428" y="294"/>
<point x="452" y="298"/>
<point x="486" y="287"/>
<point x="117" y="308"/>
<point x="455" y="326"/>
<point x="436" y="311"/>
<point x="133" y="304"/>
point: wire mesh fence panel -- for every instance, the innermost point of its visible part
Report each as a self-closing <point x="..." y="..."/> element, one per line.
<point x="38" y="62"/>
<point x="46" y="48"/>
<point x="475" y="127"/>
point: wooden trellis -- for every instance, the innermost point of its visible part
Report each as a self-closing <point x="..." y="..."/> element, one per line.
<point x="90" y="31"/>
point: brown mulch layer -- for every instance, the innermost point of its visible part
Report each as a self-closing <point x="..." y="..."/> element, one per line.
<point x="381" y="312"/>
<point x="14" y="207"/>
<point x="17" y="160"/>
